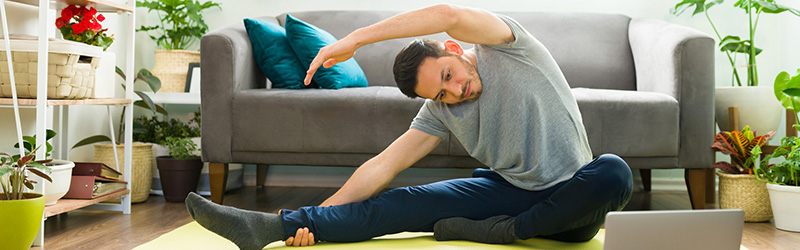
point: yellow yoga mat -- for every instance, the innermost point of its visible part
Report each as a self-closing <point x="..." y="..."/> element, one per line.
<point x="194" y="236"/>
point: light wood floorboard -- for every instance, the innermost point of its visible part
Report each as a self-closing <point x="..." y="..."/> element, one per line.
<point x="112" y="230"/>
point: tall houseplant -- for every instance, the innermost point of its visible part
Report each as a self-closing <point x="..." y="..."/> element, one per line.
<point x="738" y="187"/>
<point x="756" y="106"/>
<point x="181" y="24"/>
<point x="20" y="211"/>
<point x="783" y="178"/>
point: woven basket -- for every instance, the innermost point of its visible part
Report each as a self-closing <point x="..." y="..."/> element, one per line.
<point x="171" y="68"/>
<point x="743" y="191"/>
<point x="69" y="76"/>
<point x="142" y="165"/>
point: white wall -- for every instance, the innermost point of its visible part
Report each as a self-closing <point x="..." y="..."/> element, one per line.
<point x="776" y="35"/>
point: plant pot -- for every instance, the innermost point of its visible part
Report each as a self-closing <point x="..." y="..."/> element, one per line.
<point x="171" y="67"/>
<point x="758" y="108"/>
<point x="141" y="167"/>
<point x="179" y="177"/>
<point x="20" y="221"/>
<point x="62" y="176"/>
<point x="785" y="203"/>
<point x="743" y="191"/>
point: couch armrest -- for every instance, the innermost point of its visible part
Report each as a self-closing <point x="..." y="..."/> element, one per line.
<point x="679" y="61"/>
<point x="228" y="67"/>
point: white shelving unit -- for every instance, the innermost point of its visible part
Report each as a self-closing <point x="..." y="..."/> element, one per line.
<point x="42" y="104"/>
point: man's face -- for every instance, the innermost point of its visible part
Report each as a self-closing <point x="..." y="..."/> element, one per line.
<point x="448" y="79"/>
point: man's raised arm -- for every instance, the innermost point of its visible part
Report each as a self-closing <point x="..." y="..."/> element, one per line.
<point x="461" y="23"/>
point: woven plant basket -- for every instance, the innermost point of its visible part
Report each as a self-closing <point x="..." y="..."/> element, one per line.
<point x="743" y="191"/>
<point x="69" y="76"/>
<point x="141" y="167"/>
<point x="171" y="68"/>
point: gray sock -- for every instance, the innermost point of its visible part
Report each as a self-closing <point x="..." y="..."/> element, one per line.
<point x="247" y="229"/>
<point x="494" y="230"/>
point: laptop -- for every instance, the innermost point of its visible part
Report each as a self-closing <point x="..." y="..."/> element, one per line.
<point x="674" y="229"/>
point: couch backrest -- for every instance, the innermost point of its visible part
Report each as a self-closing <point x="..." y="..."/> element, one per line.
<point x="592" y="49"/>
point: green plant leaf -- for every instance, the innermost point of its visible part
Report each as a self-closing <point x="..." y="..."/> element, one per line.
<point x="152" y="81"/>
<point x="120" y="73"/>
<point x="91" y="140"/>
<point x="40" y="174"/>
<point x="734" y="44"/>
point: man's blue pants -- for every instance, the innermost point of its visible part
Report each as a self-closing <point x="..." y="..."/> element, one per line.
<point x="573" y="210"/>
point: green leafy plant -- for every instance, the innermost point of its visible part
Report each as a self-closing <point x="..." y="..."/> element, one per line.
<point x="146" y="102"/>
<point x="157" y="131"/>
<point x="181" y="22"/>
<point x="734" y="44"/>
<point x="17" y="171"/>
<point x="29" y="143"/>
<point x="739" y="146"/>
<point x="181" y="148"/>
<point x="787" y="172"/>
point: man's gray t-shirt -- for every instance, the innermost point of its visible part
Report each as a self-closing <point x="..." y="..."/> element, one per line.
<point x="526" y="125"/>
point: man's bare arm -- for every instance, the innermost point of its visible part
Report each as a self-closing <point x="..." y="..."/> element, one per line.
<point x="374" y="175"/>
<point x="461" y="23"/>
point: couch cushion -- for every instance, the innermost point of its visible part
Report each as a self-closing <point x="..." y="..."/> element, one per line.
<point x="629" y="123"/>
<point x="306" y="40"/>
<point x="274" y="55"/>
<point x="351" y="120"/>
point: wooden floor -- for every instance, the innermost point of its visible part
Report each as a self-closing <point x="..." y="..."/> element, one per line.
<point x="111" y="230"/>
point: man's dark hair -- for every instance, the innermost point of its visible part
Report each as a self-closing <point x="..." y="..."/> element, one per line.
<point x="406" y="64"/>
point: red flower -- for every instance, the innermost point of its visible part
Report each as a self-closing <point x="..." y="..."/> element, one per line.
<point x="95" y="26"/>
<point x="101" y="18"/>
<point x="80" y="27"/>
<point x="66" y="14"/>
<point x="60" y="22"/>
<point x="92" y="11"/>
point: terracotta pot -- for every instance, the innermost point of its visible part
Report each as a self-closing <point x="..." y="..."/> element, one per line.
<point x="179" y="177"/>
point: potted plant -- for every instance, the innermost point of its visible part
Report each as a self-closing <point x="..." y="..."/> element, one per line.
<point x="20" y="211"/>
<point x="783" y="178"/>
<point x="180" y="171"/>
<point x="61" y="169"/>
<point x="757" y="107"/>
<point x="141" y="164"/>
<point x="157" y="130"/>
<point x="738" y="187"/>
<point x="181" y="24"/>
<point x="81" y="24"/>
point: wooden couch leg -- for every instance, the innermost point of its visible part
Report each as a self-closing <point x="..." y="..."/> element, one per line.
<point x="218" y="178"/>
<point x="696" y="185"/>
<point x="646" y="179"/>
<point x="711" y="186"/>
<point x="261" y="175"/>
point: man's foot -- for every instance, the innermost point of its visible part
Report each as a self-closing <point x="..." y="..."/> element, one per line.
<point x="247" y="229"/>
<point x="494" y="230"/>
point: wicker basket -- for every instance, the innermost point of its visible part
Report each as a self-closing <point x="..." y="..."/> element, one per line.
<point x="743" y="191"/>
<point x="171" y="68"/>
<point x="142" y="165"/>
<point x="71" y="69"/>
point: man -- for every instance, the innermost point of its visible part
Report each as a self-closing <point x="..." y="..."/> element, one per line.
<point x="508" y="104"/>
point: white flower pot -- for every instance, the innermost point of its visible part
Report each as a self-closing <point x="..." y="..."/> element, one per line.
<point x="62" y="177"/>
<point x="785" y="206"/>
<point x="758" y="108"/>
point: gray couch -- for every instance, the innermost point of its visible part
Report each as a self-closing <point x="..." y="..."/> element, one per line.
<point x="645" y="89"/>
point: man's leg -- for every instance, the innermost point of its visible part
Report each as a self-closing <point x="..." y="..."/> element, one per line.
<point x="415" y="208"/>
<point x="574" y="212"/>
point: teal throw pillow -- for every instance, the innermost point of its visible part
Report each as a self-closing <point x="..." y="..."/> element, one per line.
<point x="306" y="40"/>
<point x="274" y="55"/>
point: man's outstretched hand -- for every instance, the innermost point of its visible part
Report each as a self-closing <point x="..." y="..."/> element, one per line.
<point x="330" y="55"/>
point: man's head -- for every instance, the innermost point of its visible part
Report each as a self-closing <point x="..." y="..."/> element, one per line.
<point x="436" y="71"/>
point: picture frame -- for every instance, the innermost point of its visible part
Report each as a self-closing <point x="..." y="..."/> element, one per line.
<point x="193" y="78"/>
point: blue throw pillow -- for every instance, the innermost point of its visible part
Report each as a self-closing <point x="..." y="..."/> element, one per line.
<point x="274" y="55"/>
<point x="306" y="40"/>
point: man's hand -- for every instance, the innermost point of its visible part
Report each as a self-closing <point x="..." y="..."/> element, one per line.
<point x="330" y="55"/>
<point x="301" y="238"/>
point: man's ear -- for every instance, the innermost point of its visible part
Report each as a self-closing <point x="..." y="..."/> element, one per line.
<point x="453" y="47"/>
